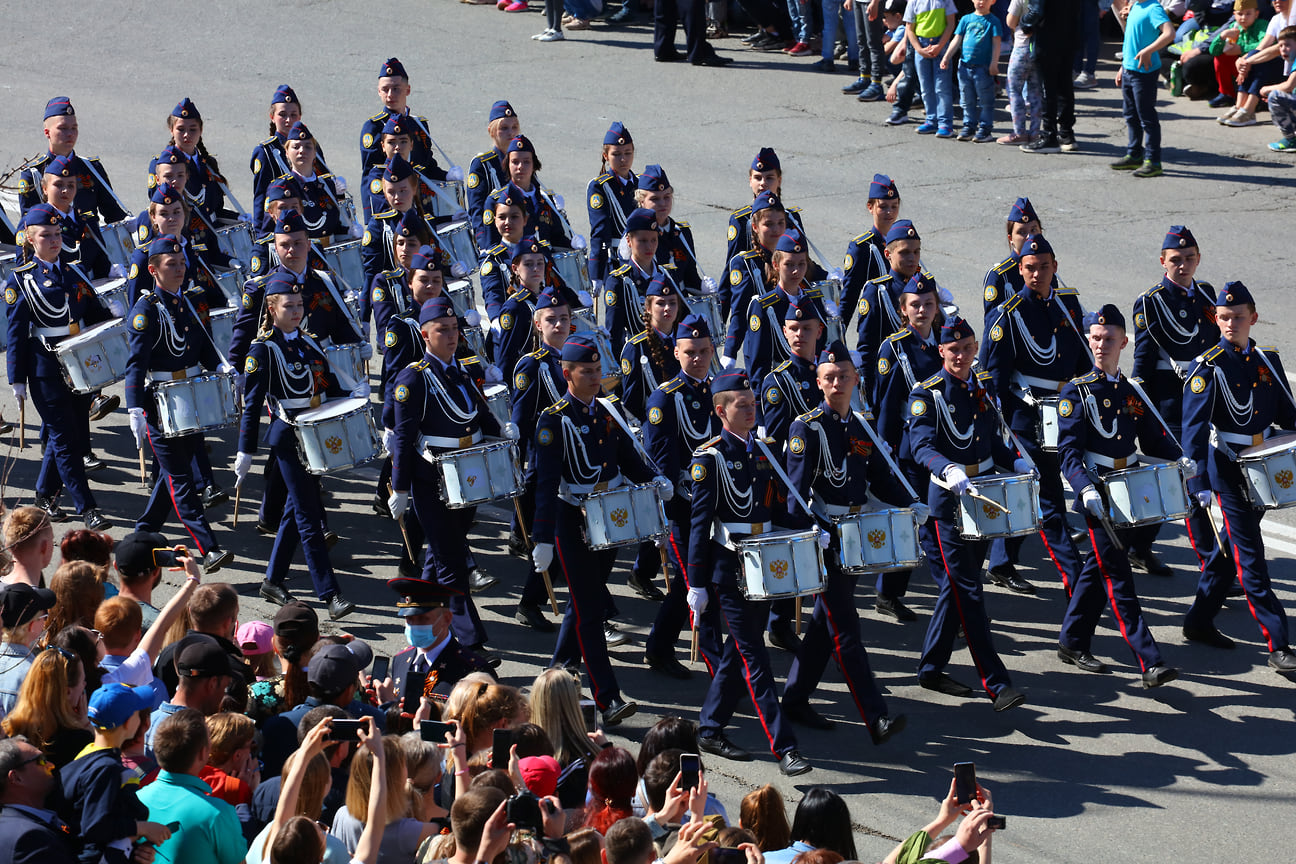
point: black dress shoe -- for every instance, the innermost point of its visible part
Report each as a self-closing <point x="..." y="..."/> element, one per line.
<point x="943" y="683"/>
<point x="612" y="635"/>
<point x="6" y="427"/>
<point x="618" y="710"/>
<point x="713" y="60"/>
<point x="492" y="659"/>
<point x="380" y="507"/>
<point x="214" y="496"/>
<point x="480" y="580"/>
<point x="50" y="506"/>
<point x="1082" y="660"/>
<point x="1283" y="660"/>
<point x="517" y="548"/>
<point x="532" y="617"/>
<point x="409" y="570"/>
<point x="93" y="462"/>
<point x="645" y="588"/>
<point x="1159" y="674"/>
<point x="339" y="607"/>
<point x="1008" y="698"/>
<point x="720" y="745"/>
<point x="266" y="529"/>
<point x="1147" y="561"/>
<point x="1007" y="577"/>
<point x="215" y="559"/>
<point x="884" y="727"/>
<point x="1207" y="635"/>
<point x="803" y="713"/>
<point x="793" y="763"/>
<point x="102" y="406"/>
<point x="330" y="538"/>
<point x="785" y="638"/>
<point x="95" y="520"/>
<point x="893" y="607"/>
<point x="275" y="594"/>
<point x="668" y="665"/>
<point x="668" y="57"/>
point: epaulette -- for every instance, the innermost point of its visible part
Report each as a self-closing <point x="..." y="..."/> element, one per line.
<point x="861" y="239"/>
<point x="622" y="270"/>
<point x="750" y="253"/>
<point x="768" y="300"/>
<point x="706" y="445"/>
<point x="899" y="334"/>
<point x="1268" y="349"/>
<point x="639" y="338"/>
<point x="768" y="439"/>
<point x="669" y="266"/>
<point x="381" y="116"/>
<point x="22" y="268"/>
<point x="1067" y="292"/>
<point x="1005" y="265"/>
<point x="784" y="365"/>
<point x="520" y="294"/>
<point x="1154" y="289"/>
<point x="1088" y="378"/>
<point x="792" y="209"/>
<point x="931" y="382"/>
<point x="604" y="177"/>
<point x="419" y="364"/>
<point x="813" y="414"/>
<point x="398" y="273"/>
<point x="741" y="212"/>
<point x="488" y="155"/>
<point x="983" y="376"/>
<point x="880" y="280"/>
<point x="389" y="212"/>
<point x="680" y="224"/>
<point x="1211" y="354"/>
<point x="536" y="354"/>
<point x="555" y="408"/>
<point x="267" y="142"/>
<point x="497" y="249"/>
<point x="1012" y="303"/>
<point x="672" y="385"/>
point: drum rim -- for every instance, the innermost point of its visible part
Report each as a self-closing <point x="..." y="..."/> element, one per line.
<point x="315" y="413"/>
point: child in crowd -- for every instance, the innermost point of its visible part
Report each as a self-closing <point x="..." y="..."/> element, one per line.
<point x="1281" y="96"/>
<point x="1025" y="99"/>
<point x="254" y="638"/>
<point x="930" y="25"/>
<point x="799" y="12"/>
<point x="899" y="58"/>
<point x="976" y="42"/>
<point x="1147" y="31"/>
<point x="1242" y="36"/>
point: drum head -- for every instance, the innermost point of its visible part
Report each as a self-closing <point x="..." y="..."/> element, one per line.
<point x="335" y="408"/>
<point x="92" y="334"/>
<point x="451" y="227"/>
<point x="1273" y="445"/>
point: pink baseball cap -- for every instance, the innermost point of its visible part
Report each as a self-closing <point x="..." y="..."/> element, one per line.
<point x="254" y="638"/>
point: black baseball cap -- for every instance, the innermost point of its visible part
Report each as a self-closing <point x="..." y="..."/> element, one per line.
<point x="200" y="656"/>
<point x="335" y="667"/>
<point x="21" y="603"/>
<point x="134" y="552"/>
<point x="296" y="621"/>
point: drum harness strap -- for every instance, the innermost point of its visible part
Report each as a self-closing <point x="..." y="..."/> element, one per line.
<point x="89" y="163"/>
<point x="614" y="207"/>
<point x="289" y="382"/>
<point x="344" y="217"/>
<point x="45" y="310"/>
<point x="1175" y="334"/>
<point x="687" y="248"/>
<point x="739" y="502"/>
<point x="578" y="462"/>
<point x="562" y="214"/>
<point x="327" y="279"/>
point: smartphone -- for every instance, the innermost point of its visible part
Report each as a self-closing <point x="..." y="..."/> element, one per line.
<point x="346" y="730"/>
<point x="381" y="666"/>
<point x="501" y="742"/>
<point x="165" y="558"/>
<point x="997" y="822"/>
<point x="965" y="782"/>
<point x="523" y="810"/>
<point x="435" y="730"/>
<point x="690" y="767"/>
<point x="724" y="855"/>
<point x="589" y="710"/>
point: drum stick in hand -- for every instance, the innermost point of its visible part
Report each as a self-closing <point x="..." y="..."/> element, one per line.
<point x="693" y="643"/>
<point x="143" y="473"/>
<point x="400" y="520"/>
<point x="526" y="538"/>
<point x="797" y="600"/>
<point x="665" y="564"/>
<point x="22" y="424"/>
<point x="238" y="496"/>
<point x="991" y="502"/>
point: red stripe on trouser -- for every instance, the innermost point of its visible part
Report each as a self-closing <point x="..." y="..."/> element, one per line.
<point x="850" y="683"/>
<point x="958" y="607"/>
<point x="747" y="678"/>
<point x="1237" y="563"/>
<point x="571" y="600"/>
<point x="1111" y="595"/>
<point x="1049" y="549"/>
<point x="1192" y="541"/>
<point x="171" y="494"/>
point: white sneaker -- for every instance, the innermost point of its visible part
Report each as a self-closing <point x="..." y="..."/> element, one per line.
<point x="1241" y="118"/>
<point x="1084" y="81"/>
<point x="541" y="34"/>
<point x="1224" y="118"/>
<point x="552" y="36"/>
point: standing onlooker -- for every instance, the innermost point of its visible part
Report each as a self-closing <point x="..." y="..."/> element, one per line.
<point x="976" y="40"/>
<point x="1086" y="59"/>
<point x="296" y="630"/>
<point x="29" y="539"/>
<point x="870" y="33"/>
<point x="1055" y="25"/>
<point x="139" y="572"/>
<point x="1147" y="31"/>
<point x="1024" y="96"/>
<point x="1282" y="102"/>
<point x="205" y="671"/>
<point x="832" y="11"/>
<point x="79" y="591"/>
<point x="23" y="609"/>
<point x="929" y="25"/>
<point x="799" y="12"/>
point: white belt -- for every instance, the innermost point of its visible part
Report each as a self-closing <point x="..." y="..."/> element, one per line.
<point x="1243" y="440"/>
<point x="827" y="511"/>
<point x="162" y="377"/>
<point x="48" y="332"/>
<point x="573" y="493"/>
<point x="1101" y="461"/>
<point x="446" y="443"/>
<point x="725" y="532"/>
<point x="1042" y="383"/>
<point x="294" y="404"/>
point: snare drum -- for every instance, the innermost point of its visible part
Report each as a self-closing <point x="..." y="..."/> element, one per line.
<point x="573" y="268"/>
<point x="497" y="397"/>
<point x="448" y="198"/>
<point x="222" y="328"/>
<point x="831" y="290"/>
<point x="112" y="293"/>
<point x="345" y="360"/>
<point x="476" y="475"/>
<point x="626" y="516"/>
<point x="1146" y="494"/>
<point x="877" y="541"/>
<point x="336" y="436"/>
<point x="1017" y="492"/>
<point x="119" y="242"/>
<point x="781" y="564"/>
<point x="457" y="240"/>
<point x="462" y="296"/>
<point x="198" y="404"/>
<point x="230" y="283"/>
<point x="94" y="358"/>
<point x="1270" y="472"/>
<point x="582" y="321"/>
<point x="344" y="260"/>
<point x="235" y="239"/>
<point x="1048" y="422"/>
<point x="708" y="306"/>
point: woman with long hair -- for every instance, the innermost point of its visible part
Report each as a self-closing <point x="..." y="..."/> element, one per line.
<point x="52" y="706"/>
<point x="296" y="630"/>
<point x="555" y="708"/>
<point x="404" y="833"/>
<point x="268" y="158"/>
<point x="648" y="359"/>
<point x="822" y="821"/>
<point x="78" y="585"/>
<point x="613" y="781"/>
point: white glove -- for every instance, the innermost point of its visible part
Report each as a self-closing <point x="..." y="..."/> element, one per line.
<point x="455" y="174"/>
<point x="495" y="328"/>
<point x="472" y="318"/>
<point x="597" y="285"/>
<point x="542" y="556"/>
<point x="116" y="272"/>
<point x="225" y="369"/>
<point x="139" y="427"/>
<point x="1023" y="466"/>
<point x="727" y="362"/>
<point x="116" y="308"/>
<point x="665" y="487"/>
<point x="366" y="350"/>
<point x="697" y="600"/>
<point x="339" y="183"/>
<point x="837" y="274"/>
<point x="708" y="285"/>
<point x="510" y="431"/>
<point x="584" y="298"/>
<point x="1092" y="502"/>
<point x="361" y="391"/>
<point x="242" y="465"/>
<point x="1204" y="498"/>
<point x="245" y="217"/>
<point x="824" y="538"/>
<point x="236" y="264"/>
<point x="355" y="232"/>
<point x="831" y="308"/>
<point x="20" y="392"/>
<point x="389" y="440"/>
<point x="957" y="479"/>
<point x="398" y="503"/>
<point x="1190" y="466"/>
<point x="559" y="202"/>
<point x="458" y="270"/>
<point x="494" y="375"/>
<point x="579" y="242"/>
<point x="921" y="512"/>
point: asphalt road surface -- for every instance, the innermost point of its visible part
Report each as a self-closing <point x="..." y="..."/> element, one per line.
<point x="1092" y="767"/>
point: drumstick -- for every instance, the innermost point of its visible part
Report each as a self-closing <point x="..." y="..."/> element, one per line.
<point x="238" y="496"/>
<point x="400" y="520"/>
<point x="798" y="616"/>
<point x="693" y="646"/>
<point x="991" y="502"/>
<point x="665" y="565"/>
<point x="544" y="574"/>
<point x="22" y="424"/>
<point x="143" y="474"/>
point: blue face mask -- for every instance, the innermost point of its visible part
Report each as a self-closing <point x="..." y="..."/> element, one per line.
<point x="420" y="635"/>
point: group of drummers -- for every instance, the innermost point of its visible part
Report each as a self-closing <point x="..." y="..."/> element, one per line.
<point x="617" y="397"/>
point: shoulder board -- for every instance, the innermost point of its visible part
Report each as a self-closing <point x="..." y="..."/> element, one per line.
<point x="861" y="239"/>
<point x="900" y="335"/>
<point x="793" y="209"/>
<point x="1268" y="349"/>
<point x="267" y="142"/>
<point x="381" y="116"/>
<point x="386" y="214"/>
<point x="983" y="376"/>
<point x="769" y="439"/>
<point x="639" y="338"/>
<point x="679" y="223"/>
<point x="768" y="300"/>
<point x="1154" y="289"/>
<point x="497" y="249"/>
<point x="931" y="382"/>
<point x="880" y="280"/>
<point x="1068" y="292"/>
<point x="1210" y="289"/>
<point x="784" y="365"/>
<point x="750" y="253"/>
<point x="672" y="385"/>
<point x="519" y="295"/>
<point x="1011" y="304"/>
<point x="1089" y="378"/>
<point x="741" y="212"/>
<point x="707" y="445"/>
<point x="1135" y="379"/>
<point x="1211" y="355"/>
<point x="22" y="268"/>
<point x="813" y="414"/>
<point x="554" y="409"/>
<point x="392" y="274"/>
<point x="1005" y="265"/>
<point x="420" y="364"/>
<point x="534" y="355"/>
<point x="487" y="156"/>
<point x="669" y="266"/>
<point x="622" y="270"/>
<point x="604" y="177"/>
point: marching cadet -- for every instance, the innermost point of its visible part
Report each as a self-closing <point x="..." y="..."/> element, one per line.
<point x="394" y="89"/>
<point x="435" y="661"/>
<point x="610" y="198"/>
<point x="907" y="357"/>
<point x="268" y="160"/>
<point x="580" y="449"/>
<point x="1033" y="347"/>
<point x="95" y="193"/>
<point x="675" y="244"/>
<point x="83" y="245"/>
<point x="205" y="185"/>
<point x="322" y="194"/>
<point x="283" y="195"/>
<point x="681" y="419"/>
<point x="402" y="215"/>
<point x="1101" y="416"/>
<point x="529" y="274"/>
<point x="763" y="345"/>
<point x="865" y="260"/>
<point x="734" y="498"/>
<point x="287" y="366"/>
<point x="544" y="209"/>
<point x="879" y="301"/>
<point x="765" y="175"/>
<point x="1234" y="395"/>
<point x="396" y="138"/>
<point x="439" y="409"/>
<point x="832" y="463"/>
<point x="954" y="434"/>
<point x="749" y="271"/>
<point x="1004" y="279"/>
<point x="648" y="359"/>
<point x="537" y="383"/>
<point x="169" y="342"/>
<point x="47" y="302"/>
<point x="489" y="171"/>
<point x="1174" y="323"/>
<point x="626" y="286"/>
<point x="172" y="167"/>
